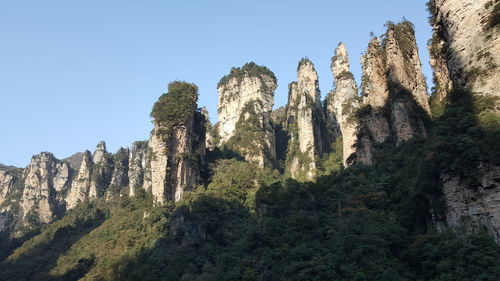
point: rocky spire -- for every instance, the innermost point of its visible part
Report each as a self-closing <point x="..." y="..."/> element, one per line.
<point x="374" y="86"/>
<point x="119" y="176"/>
<point x="403" y="63"/>
<point x="408" y="94"/>
<point x="45" y="179"/>
<point x="139" y="165"/>
<point x="100" y="153"/>
<point x="246" y="98"/>
<point x="176" y="142"/>
<point x="80" y="186"/>
<point x="343" y="102"/>
<point x="374" y="89"/>
<point x="102" y="170"/>
<point x="466" y="36"/>
<point x="304" y="120"/>
<point x="209" y="135"/>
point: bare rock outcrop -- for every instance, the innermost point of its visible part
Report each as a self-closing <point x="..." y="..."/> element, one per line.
<point x="466" y="33"/>
<point x="139" y="167"/>
<point x="6" y="183"/>
<point x="246" y="98"/>
<point x="45" y="179"/>
<point x="344" y="103"/>
<point x="102" y="170"/>
<point x="468" y="208"/>
<point x="304" y="117"/>
<point x="407" y="86"/>
<point x="375" y="92"/>
<point x="177" y="142"/>
<point x="119" y="176"/>
<point x="80" y="187"/>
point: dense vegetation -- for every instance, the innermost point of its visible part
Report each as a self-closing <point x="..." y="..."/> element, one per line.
<point x="359" y="223"/>
<point x="176" y="107"/>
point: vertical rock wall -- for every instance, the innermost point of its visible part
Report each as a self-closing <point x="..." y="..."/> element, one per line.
<point x="344" y="102"/>
<point x="246" y="98"/>
<point x="304" y="120"/>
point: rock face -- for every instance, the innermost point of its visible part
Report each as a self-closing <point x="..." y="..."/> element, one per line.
<point x="469" y="208"/>
<point x="441" y="75"/>
<point x="375" y="92"/>
<point x="119" y="177"/>
<point x="139" y="173"/>
<point x="101" y="171"/>
<point x="80" y="186"/>
<point x="45" y="179"/>
<point x="6" y="183"/>
<point x="304" y="117"/>
<point x="466" y="34"/>
<point x="177" y="143"/>
<point x="344" y="102"/>
<point x="465" y="55"/>
<point x="408" y="92"/>
<point x="246" y="98"/>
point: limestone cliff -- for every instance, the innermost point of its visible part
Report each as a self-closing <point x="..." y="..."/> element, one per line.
<point x="80" y="187"/>
<point x="470" y="207"/>
<point x="246" y="98"/>
<point x="304" y="120"/>
<point x="344" y="103"/>
<point x="6" y="183"/>
<point x="45" y="181"/>
<point x="119" y="176"/>
<point x="466" y="36"/>
<point x="101" y="171"/>
<point x="407" y="87"/>
<point x="139" y="165"/>
<point x="177" y="142"/>
<point x="465" y="54"/>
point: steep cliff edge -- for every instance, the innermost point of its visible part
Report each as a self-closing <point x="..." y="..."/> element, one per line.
<point x="466" y="46"/>
<point x="464" y="53"/>
<point x="246" y="99"/>
<point x="304" y="123"/>
<point x="177" y="142"/>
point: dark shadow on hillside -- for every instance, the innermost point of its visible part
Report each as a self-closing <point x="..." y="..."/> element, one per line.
<point x="36" y="262"/>
<point x="206" y="221"/>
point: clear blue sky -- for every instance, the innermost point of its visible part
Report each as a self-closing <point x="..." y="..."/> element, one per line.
<point x="76" y="72"/>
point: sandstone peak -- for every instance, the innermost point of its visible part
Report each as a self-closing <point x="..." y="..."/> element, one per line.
<point x="340" y="62"/>
<point x="100" y="152"/>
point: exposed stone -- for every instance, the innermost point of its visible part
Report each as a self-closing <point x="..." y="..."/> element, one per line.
<point x="468" y="34"/>
<point x="80" y="186"/>
<point x="119" y="177"/>
<point x="469" y="208"/>
<point x="248" y="89"/>
<point x="374" y="86"/>
<point x="100" y="153"/>
<point x="102" y="170"/>
<point x="441" y="75"/>
<point x="304" y="120"/>
<point x="343" y="102"/>
<point x="403" y="63"/>
<point x="138" y="163"/>
<point x="43" y="179"/>
<point x="408" y="90"/>
<point x="209" y="131"/>
<point x="177" y="145"/>
<point x="6" y="182"/>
